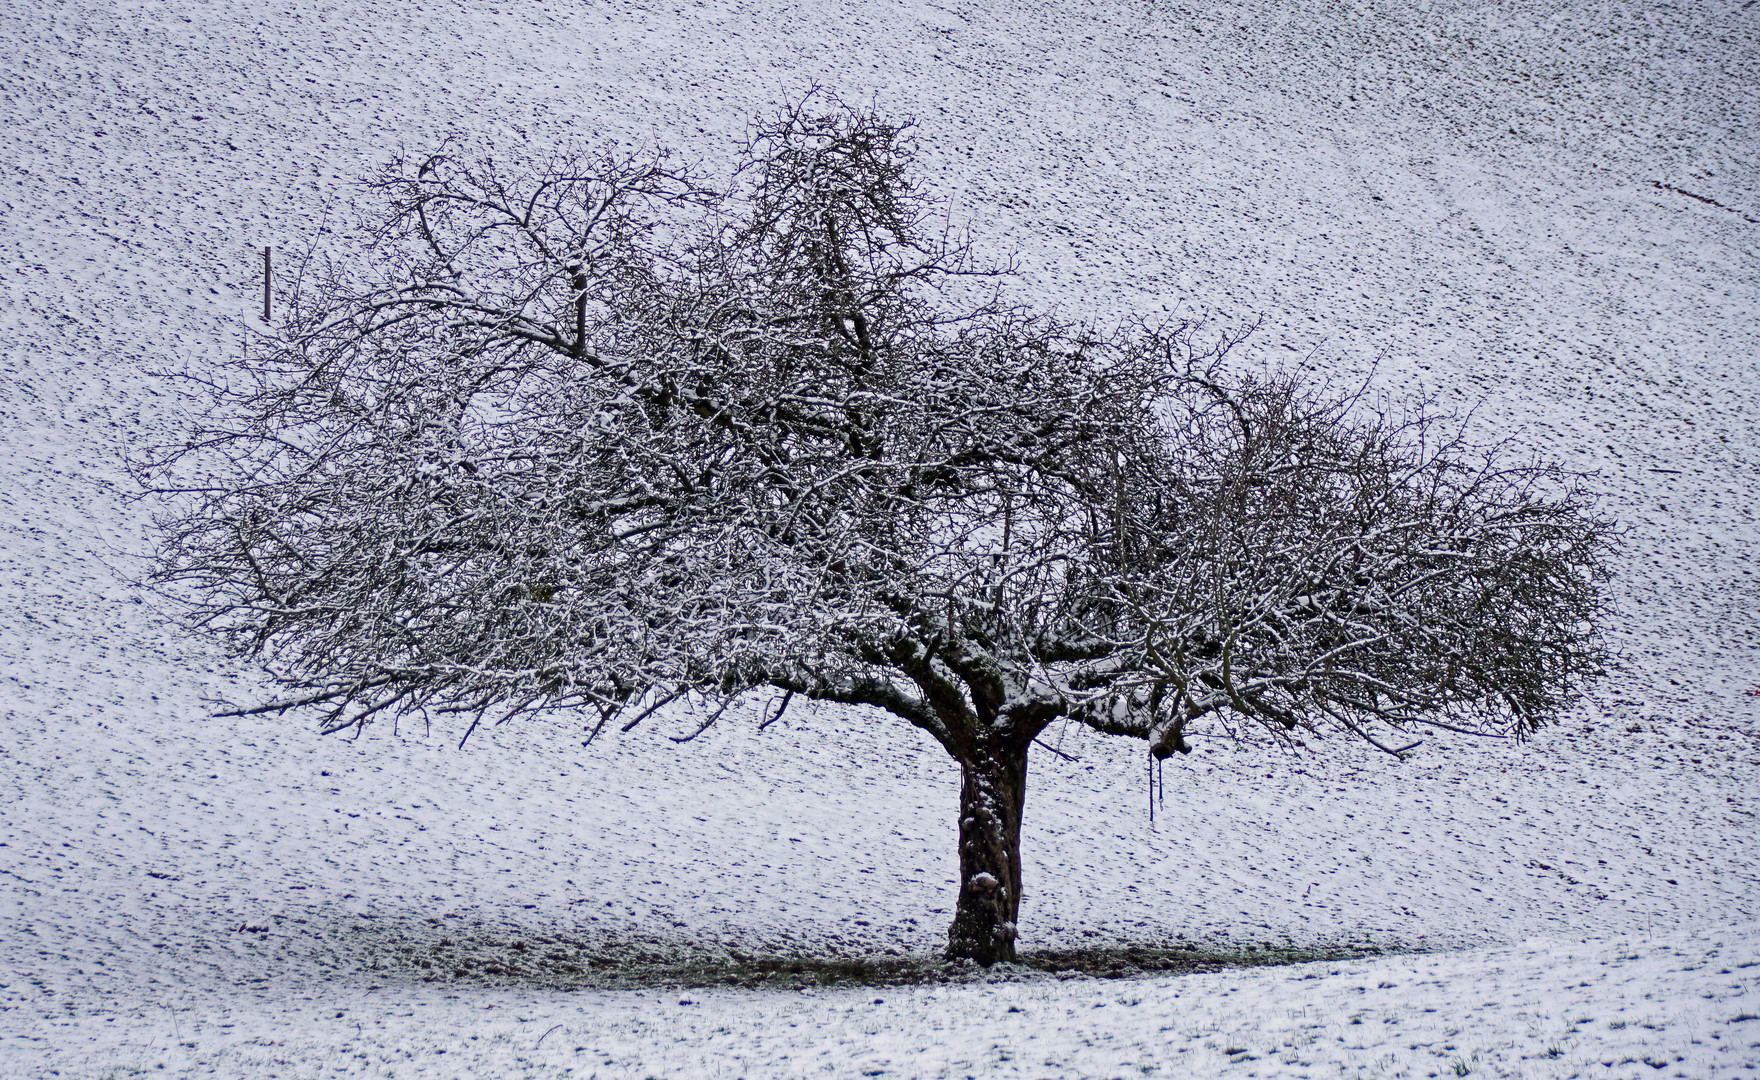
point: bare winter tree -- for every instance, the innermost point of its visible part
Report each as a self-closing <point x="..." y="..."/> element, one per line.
<point x="590" y="435"/>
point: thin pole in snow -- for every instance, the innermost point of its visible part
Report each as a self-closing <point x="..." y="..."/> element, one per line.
<point x="268" y="279"/>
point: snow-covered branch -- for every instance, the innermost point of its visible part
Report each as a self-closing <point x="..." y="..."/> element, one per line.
<point x="587" y="433"/>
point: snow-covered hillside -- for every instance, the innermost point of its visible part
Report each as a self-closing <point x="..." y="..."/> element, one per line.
<point x="1547" y="214"/>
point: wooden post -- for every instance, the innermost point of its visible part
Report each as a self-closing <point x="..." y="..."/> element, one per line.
<point x="268" y="280"/>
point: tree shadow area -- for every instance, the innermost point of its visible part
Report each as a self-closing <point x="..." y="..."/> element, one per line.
<point x="465" y="955"/>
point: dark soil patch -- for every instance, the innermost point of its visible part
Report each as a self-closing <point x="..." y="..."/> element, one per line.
<point x="478" y="956"/>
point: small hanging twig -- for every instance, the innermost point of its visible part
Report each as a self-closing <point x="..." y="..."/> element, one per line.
<point x="777" y="715"/>
<point x="704" y="726"/>
<point x="606" y="712"/>
<point x="580" y="311"/>
<point x="1055" y="750"/>
<point x="652" y="709"/>
<point x="268" y="281"/>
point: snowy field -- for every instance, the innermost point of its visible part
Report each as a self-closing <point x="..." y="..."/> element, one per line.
<point x="1546" y="213"/>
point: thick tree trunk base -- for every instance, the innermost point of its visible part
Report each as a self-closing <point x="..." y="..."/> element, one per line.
<point x="992" y="792"/>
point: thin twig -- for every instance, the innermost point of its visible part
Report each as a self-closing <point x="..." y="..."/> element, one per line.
<point x="1054" y="750"/>
<point x="777" y="715"/>
<point x="652" y="709"/>
<point x="704" y="726"/>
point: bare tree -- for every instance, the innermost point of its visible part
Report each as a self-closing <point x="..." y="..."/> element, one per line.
<point x="592" y="435"/>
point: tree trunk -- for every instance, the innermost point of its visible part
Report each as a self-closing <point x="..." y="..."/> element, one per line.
<point x="993" y="790"/>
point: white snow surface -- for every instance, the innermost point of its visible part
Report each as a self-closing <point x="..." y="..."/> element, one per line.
<point x="1546" y="213"/>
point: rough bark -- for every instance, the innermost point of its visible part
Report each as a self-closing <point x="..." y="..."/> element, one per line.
<point x="993" y="790"/>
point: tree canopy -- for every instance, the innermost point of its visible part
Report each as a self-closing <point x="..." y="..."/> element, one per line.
<point x="587" y="433"/>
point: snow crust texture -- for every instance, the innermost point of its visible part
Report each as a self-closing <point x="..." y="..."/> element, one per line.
<point x="1547" y="214"/>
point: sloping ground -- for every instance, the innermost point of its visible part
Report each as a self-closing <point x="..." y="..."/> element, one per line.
<point x="1539" y="212"/>
<point x="1682" y="1005"/>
